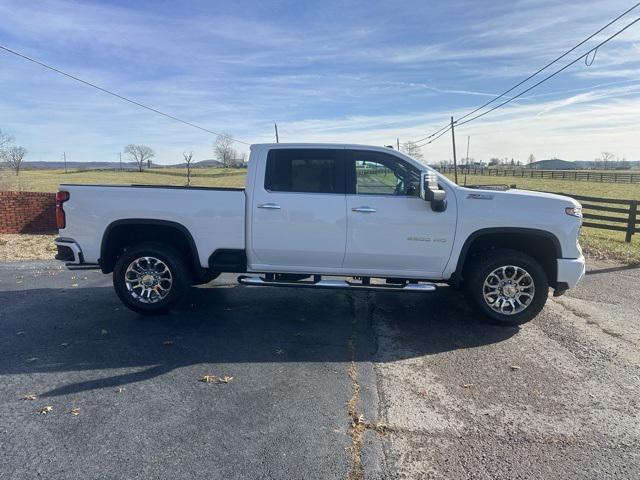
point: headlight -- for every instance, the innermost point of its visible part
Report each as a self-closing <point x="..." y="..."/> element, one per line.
<point x="574" y="211"/>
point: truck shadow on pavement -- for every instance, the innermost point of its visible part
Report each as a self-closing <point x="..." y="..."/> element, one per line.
<point x="82" y="332"/>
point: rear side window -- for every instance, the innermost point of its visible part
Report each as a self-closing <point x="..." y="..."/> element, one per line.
<point x="305" y="171"/>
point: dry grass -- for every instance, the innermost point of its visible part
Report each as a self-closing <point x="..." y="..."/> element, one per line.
<point x="26" y="247"/>
<point x="49" y="180"/>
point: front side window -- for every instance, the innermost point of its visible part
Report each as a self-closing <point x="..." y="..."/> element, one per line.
<point x="304" y="171"/>
<point x="377" y="173"/>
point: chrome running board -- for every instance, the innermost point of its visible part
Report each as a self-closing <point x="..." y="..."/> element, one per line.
<point x="341" y="284"/>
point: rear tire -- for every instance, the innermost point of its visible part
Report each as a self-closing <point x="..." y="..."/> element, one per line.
<point x="509" y="287"/>
<point x="151" y="278"/>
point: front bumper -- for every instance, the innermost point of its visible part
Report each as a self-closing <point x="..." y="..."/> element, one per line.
<point x="570" y="271"/>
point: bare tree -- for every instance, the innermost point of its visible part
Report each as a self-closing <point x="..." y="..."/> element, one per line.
<point x="606" y="158"/>
<point x="531" y="159"/>
<point x="412" y="149"/>
<point x="224" y="151"/>
<point x="140" y="154"/>
<point x="5" y="140"/>
<point x="187" y="161"/>
<point x="14" y="156"/>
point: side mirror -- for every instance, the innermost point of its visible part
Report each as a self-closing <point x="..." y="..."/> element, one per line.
<point x="430" y="192"/>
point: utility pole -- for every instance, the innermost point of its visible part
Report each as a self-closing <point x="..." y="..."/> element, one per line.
<point x="120" y="154"/>
<point x="64" y="155"/>
<point x="455" y="162"/>
<point x="276" y="127"/>
<point x="468" y="140"/>
<point x="398" y="143"/>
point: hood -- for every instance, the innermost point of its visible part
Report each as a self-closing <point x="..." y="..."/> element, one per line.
<point x="519" y="194"/>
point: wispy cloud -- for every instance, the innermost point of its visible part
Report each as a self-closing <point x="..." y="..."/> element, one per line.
<point x="369" y="72"/>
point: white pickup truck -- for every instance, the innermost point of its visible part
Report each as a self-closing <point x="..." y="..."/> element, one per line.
<point x="327" y="216"/>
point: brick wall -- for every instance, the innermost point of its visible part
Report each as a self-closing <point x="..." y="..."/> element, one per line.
<point x="27" y="212"/>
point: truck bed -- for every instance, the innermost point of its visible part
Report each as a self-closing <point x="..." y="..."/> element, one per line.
<point x="215" y="217"/>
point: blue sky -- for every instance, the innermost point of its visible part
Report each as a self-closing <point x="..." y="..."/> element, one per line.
<point x="360" y="72"/>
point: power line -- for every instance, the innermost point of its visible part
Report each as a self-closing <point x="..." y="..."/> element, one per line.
<point x="550" y="76"/>
<point x="434" y="133"/>
<point x="447" y="126"/>
<point x="104" y="90"/>
<point x="550" y="63"/>
<point x="437" y="137"/>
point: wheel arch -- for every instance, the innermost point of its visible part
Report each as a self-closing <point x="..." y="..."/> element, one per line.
<point x="126" y="232"/>
<point x="542" y="245"/>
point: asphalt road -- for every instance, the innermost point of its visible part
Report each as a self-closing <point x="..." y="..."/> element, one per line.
<point x="325" y="384"/>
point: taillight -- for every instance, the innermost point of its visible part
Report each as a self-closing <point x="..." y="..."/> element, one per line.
<point x="61" y="197"/>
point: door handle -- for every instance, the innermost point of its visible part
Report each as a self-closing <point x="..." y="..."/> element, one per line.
<point x="269" y="206"/>
<point x="363" y="209"/>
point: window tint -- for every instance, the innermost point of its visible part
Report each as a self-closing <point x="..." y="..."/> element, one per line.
<point x="377" y="173"/>
<point x="304" y="170"/>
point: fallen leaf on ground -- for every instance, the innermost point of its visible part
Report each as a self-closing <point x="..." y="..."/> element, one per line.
<point x="45" y="410"/>
<point x="422" y="393"/>
<point x="207" y="379"/>
<point x="104" y="332"/>
<point x="379" y="426"/>
<point x="226" y="379"/>
<point x="29" y="396"/>
<point x="467" y="385"/>
<point x="74" y="411"/>
<point x="120" y="389"/>
<point x="360" y="420"/>
<point x="515" y="367"/>
<point x="167" y="343"/>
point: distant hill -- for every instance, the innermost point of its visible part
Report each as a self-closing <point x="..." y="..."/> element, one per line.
<point x="43" y="165"/>
<point x="558" y="164"/>
<point x="554" y="164"/>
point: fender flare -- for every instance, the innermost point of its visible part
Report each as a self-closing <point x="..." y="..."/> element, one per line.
<point x="462" y="257"/>
<point x="147" y="221"/>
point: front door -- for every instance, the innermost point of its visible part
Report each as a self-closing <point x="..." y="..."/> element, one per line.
<point x="299" y="219"/>
<point x="390" y="228"/>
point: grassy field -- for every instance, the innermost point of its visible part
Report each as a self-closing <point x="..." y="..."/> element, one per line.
<point x="597" y="243"/>
<point x="48" y="180"/>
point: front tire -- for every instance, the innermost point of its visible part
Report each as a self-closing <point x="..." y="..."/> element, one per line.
<point x="509" y="287"/>
<point x="151" y="278"/>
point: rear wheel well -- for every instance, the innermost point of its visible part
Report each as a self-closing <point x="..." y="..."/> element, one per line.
<point x="542" y="247"/>
<point x="125" y="234"/>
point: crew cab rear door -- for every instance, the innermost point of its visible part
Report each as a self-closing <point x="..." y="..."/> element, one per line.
<point x="391" y="230"/>
<point x="298" y="219"/>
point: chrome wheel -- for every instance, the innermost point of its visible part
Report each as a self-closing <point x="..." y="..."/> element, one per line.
<point x="148" y="279"/>
<point x="508" y="290"/>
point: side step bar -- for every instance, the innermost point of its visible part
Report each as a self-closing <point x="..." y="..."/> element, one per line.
<point x="342" y="284"/>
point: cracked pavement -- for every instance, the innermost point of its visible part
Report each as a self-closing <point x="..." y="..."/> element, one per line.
<point x="326" y="384"/>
